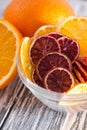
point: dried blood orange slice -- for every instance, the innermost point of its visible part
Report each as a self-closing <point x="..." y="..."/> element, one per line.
<point x="42" y="46"/>
<point x="59" y="80"/>
<point x="80" y="70"/>
<point x="51" y="61"/>
<point x="36" y="79"/>
<point x="69" y="47"/>
<point x="56" y="35"/>
<point x="85" y="59"/>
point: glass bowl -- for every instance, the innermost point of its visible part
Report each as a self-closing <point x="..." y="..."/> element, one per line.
<point x="54" y="100"/>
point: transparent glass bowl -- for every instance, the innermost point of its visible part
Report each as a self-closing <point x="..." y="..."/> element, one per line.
<point x="58" y="101"/>
<point x="54" y="100"/>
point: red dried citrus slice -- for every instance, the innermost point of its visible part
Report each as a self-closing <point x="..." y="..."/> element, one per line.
<point x="42" y="46"/>
<point x="85" y="60"/>
<point x="69" y="47"/>
<point x="80" y="70"/>
<point x="36" y="79"/>
<point x="56" y="35"/>
<point x="59" y="80"/>
<point x="51" y="61"/>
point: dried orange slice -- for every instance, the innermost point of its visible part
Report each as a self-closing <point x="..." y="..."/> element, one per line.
<point x="45" y="29"/>
<point x="26" y="64"/>
<point x="10" y="39"/>
<point x="76" y="28"/>
<point x="80" y="88"/>
<point x="59" y="80"/>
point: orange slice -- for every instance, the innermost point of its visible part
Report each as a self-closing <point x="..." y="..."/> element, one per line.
<point x="76" y="28"/>
<point x="80" y="88"/>
<point x="45" y="29"/>
<point x="26" y="64"/>
<point x="77" y="89"/>
<point x="10" y="39"/>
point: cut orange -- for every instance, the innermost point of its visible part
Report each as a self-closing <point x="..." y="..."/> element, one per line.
<point x="26" y="64"/>
<point x="76" y="28"/>
<point x="44" y="30"/>
<point x="80" y="88"/>
<point x="10" y="39"/>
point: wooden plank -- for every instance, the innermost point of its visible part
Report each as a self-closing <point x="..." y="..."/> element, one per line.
<point x="76" y="121"/>
<point x="28" y="113"/>
<point x="8" y="97"/>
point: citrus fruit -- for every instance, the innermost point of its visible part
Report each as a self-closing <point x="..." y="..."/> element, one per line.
<point x="59" y="80"/>
<point x="26" y="64"/>
<point x="43" y="30"/>
<point x="76" y="28"/>
<point x="51" y="61"/>
<point x="41" y="46"/>
<point x="85" y="60"/>
<point x="80" y="70"/>
<point x="29" y="15"/>
<point x="10" y="39"/>
<point x="56" y="35"/>
<point x="36" y="79"/>
<point x="78" y="89"/>
<point x="69" y="47"/>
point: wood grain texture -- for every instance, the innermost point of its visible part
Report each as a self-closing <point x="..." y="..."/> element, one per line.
<point x="20" y="110"/>
<point x="27" y="112"/>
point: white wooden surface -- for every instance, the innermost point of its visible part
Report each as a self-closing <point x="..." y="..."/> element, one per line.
<point x="20" y="110"/>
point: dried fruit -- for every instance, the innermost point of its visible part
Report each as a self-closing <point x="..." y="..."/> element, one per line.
<point x="80" y="70"/>
<point x="69" y="47"/>
<point x="26" y="65"/>
<point x="51" y="61"/>
<point x="76" y="28"/>
<point x="36" y="79"/>
<point x="56" y="35"/>
<point x="43" y="30"/>
<point x="59" y="80"/>
<point x="80" y="88"/>
<point x="42" y="46"/>
<point x="85" y="60"/>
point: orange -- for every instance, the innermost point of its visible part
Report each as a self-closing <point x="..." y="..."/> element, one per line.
<point x="29" y="15"/>
<point x="80" y="88"/>
<point x="76" y="28"/>
<point x="26" y="64"/>
<point x="10" y="39"/>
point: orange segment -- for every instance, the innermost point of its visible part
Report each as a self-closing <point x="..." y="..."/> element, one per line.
<point x="76" y="28"/>
<point x="9" y="44"/>
<point x="27" y="67"/>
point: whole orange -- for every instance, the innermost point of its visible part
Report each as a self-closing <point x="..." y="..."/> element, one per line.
<point x="29" y="15"/>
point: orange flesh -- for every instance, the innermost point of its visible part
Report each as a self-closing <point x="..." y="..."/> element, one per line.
<point x="7" y="53"/>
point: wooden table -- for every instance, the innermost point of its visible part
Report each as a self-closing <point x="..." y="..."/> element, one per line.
<point x="20" y="110"/>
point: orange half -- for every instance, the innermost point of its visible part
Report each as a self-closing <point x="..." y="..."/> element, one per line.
<point x="10" y="39"/>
